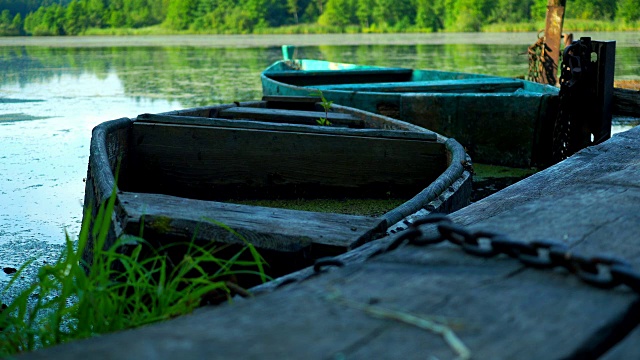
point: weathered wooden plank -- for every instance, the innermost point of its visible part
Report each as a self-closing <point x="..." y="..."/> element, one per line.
<point x="628" y="347"/>
<point x="482" y="85"/>
<point x="494" y="314"/>
<point x="104" y="160"/>
<point x="344" y="71"/>
<point x="344" y="76"/>
<point x="291" y="99"/>
<point x="267" y="228"/>
<point x="508" y="139"/>
<point x="218" y="163"/>
<point x="626" y="102"/>
<point x="291" y="116"/>
<point x="306" y="103"/>
<point x="249" y="124"/>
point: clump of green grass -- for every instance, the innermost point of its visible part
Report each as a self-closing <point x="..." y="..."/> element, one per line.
<point x="118" y="291"/>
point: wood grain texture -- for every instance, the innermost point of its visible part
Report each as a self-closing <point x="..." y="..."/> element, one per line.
<point x="344" y="76"/>
<point x="316" y="129"/>
<point x="267" y="228"/>
<point x="285" y="101"/>
<point x="626" y="102"/>
<point x="214" y="163"/>
<point x="107" y="153"/>
<point x="482" y="85"/>
<point x="509" y="138"/>
<point x="291" y="116"/>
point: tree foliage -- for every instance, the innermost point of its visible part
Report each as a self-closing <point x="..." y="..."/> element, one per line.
<point x="59" y="17"/>
<point x="10" y="26"/>
<point x="628" y="10"/>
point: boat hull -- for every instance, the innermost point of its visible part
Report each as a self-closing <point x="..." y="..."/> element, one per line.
<point x="500" y="121"/>
<point x="179" y="173"/>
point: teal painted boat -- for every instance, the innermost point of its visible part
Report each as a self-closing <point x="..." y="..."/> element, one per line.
<point x="500" y="121"/>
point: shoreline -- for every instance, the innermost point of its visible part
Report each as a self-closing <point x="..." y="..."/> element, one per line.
<point x="627" y="39"/>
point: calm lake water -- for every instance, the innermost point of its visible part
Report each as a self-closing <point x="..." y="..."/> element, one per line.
<point x="53" y="91"/>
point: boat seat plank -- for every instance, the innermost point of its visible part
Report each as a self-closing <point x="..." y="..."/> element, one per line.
<point x="466" y="85"/>
<point x="291" y="99"/>
<point x="290" y="116"/>
<point x="306" y="103"/>
<point x="202" y="162"/>
<point x="249" y="124"/>
<point x="344" y="76"/>
<point x="276" y="229"/>
<point x="343" y="72"/>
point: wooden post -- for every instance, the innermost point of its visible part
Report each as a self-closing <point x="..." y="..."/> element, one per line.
<point x="552" y="35"/>
<point x="603" y="89"/>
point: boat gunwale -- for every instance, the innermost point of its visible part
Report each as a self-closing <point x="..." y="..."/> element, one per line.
<point x="265" y="76"/>
<point x="103" y="179"/>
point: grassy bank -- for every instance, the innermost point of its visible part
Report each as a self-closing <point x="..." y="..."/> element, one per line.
<point x="70" y="300"/>
<point x="150" y="30"/>
<point x="570" y="25"/>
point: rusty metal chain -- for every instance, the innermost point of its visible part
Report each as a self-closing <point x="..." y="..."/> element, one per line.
<point x="541" y="65"/>
<point x="600" y="271"/>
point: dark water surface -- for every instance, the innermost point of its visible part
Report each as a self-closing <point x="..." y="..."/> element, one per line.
<point x="53" y="91"/>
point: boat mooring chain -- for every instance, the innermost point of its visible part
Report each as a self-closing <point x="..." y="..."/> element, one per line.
<point x="541" y="65"/>
<point x="600" y="271"/>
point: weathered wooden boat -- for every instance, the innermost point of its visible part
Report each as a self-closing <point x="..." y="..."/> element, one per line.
<point x="182" y="173"/>
<point x="499" y="120"/>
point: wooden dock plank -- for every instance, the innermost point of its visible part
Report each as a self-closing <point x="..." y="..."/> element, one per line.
<point x="266" y="228"/>
<point x="497" y="307"/>
<point x="494" y="314"/>
<point x="628" y="348"/>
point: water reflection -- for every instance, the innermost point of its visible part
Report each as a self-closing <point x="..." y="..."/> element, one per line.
<point x="191" y="76"/>
<point x="44" y="152"/>
<point x="199" y="76"/>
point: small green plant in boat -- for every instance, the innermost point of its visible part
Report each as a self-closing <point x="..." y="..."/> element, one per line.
<point x="118" y="291"/>
<point x="326" y="105"/>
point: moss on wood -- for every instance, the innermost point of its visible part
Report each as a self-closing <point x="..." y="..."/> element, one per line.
<point x="366" y="207"/>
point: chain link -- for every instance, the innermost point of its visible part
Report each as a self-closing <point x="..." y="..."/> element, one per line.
<point x="601" y="271"/>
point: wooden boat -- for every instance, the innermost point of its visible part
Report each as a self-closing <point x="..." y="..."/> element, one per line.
<point x="182" y="173"/>
<point x="500" y="121"/>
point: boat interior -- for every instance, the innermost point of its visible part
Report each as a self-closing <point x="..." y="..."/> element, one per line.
<point x="243" y="153"/>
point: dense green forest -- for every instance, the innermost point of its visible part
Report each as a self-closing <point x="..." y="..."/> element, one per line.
<point x="73" y="17"/>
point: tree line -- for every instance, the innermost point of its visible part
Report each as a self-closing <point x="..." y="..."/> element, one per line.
<point x="72" y="17"/>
